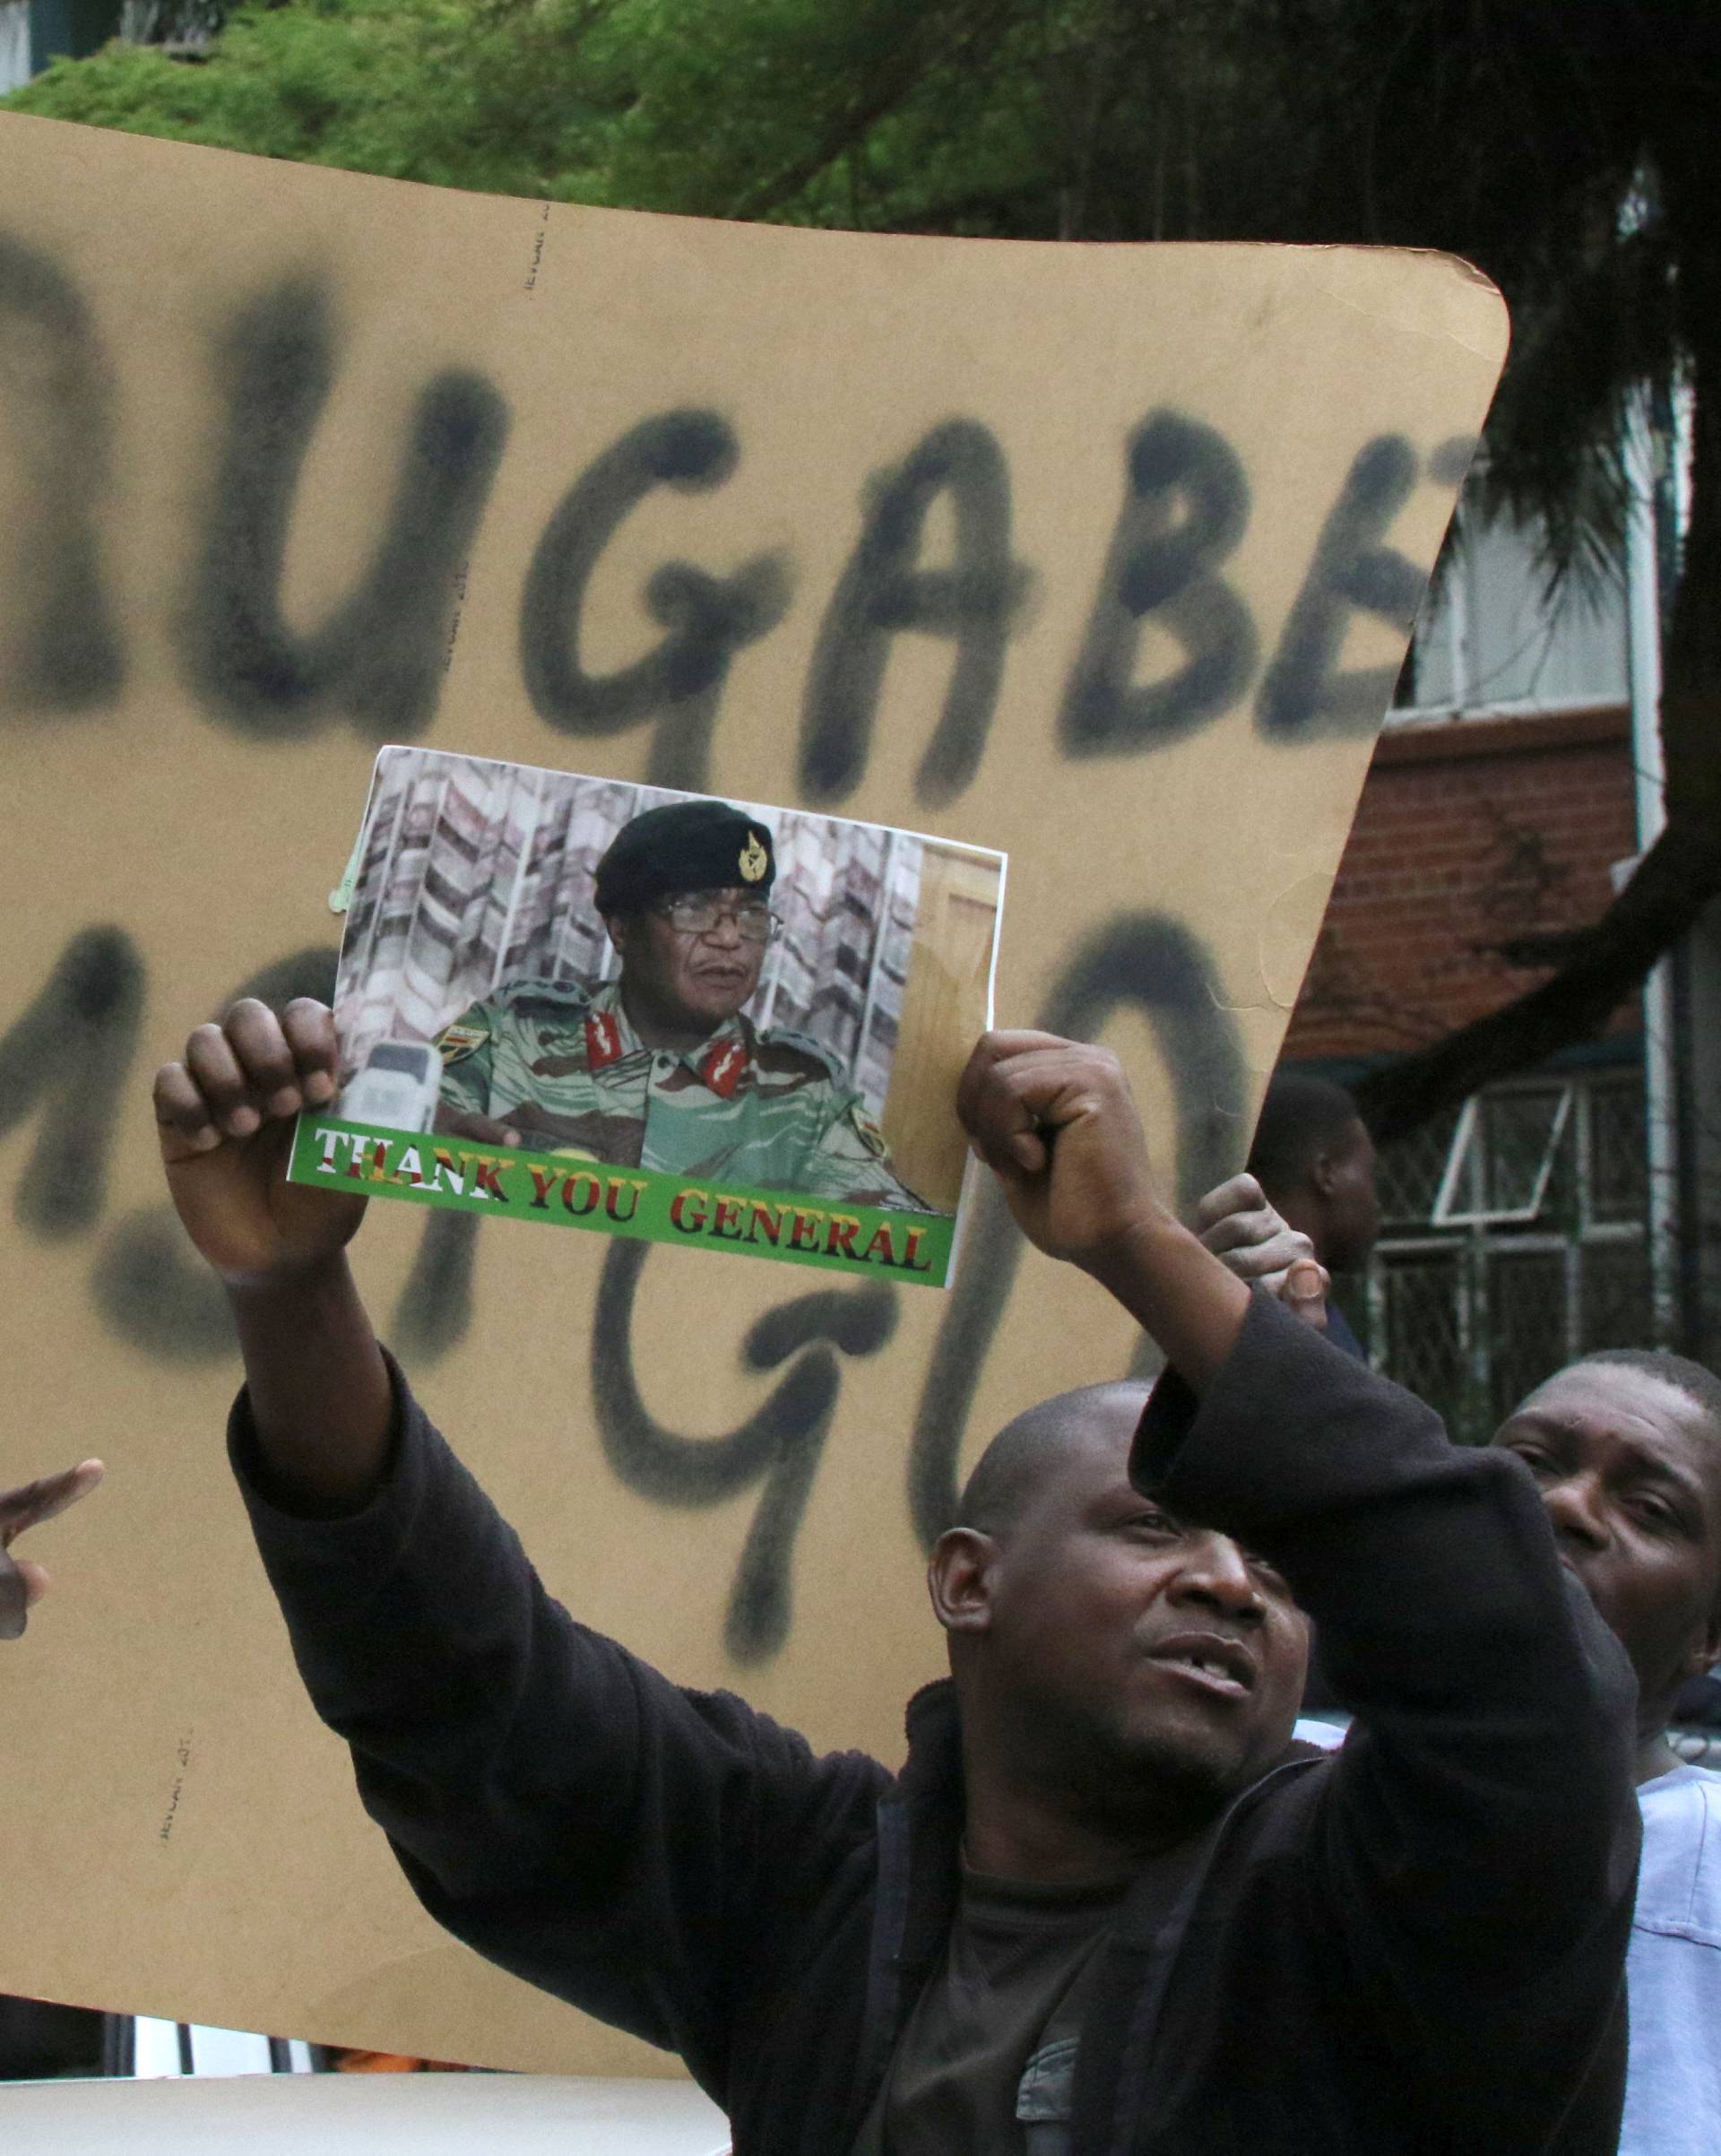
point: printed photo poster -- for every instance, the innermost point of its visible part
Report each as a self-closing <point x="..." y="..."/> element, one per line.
<point x="1104" y="559"/>
<point x="582" y="1003"/>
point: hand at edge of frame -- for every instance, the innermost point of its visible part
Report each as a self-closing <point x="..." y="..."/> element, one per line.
<point x="22" y="1584"/>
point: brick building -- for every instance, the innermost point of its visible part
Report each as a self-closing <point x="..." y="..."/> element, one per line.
<point x="1477" y="848"/>
<point x="1501" y="808"/>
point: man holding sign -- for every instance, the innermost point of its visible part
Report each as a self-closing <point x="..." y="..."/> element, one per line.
<point x="658" y="1069"/>
<point x="1109" y="1903"/>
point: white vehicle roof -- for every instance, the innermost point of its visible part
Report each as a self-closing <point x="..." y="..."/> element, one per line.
<point x="363" y="2114"/>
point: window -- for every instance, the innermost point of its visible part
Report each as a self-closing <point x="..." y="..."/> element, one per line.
<point x="1501" y="1157"/>
<point x="1514" y="1240"/>
<point x="15" y="45"/>
<point x="1492" y="639"/>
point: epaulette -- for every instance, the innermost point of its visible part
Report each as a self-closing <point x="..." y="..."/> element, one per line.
<point x="562" y="996"/>
<point x="776" y="1038"/>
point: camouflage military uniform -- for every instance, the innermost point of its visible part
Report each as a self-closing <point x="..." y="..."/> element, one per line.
<point x="561" y="1064"/>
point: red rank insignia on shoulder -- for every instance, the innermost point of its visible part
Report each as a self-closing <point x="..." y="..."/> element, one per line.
<point x="602" y="1040"/>
<point x="721" y="1069"/>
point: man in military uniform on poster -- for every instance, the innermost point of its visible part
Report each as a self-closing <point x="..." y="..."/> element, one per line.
<point x="660" y="1069"/>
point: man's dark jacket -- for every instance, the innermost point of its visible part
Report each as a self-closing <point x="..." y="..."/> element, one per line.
<point x="1414" y="1944"/>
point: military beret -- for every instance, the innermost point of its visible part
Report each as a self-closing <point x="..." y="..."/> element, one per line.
<point x="684" y="847"/>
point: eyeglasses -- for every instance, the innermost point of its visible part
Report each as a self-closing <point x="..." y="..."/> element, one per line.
<point x="697" y="913"/>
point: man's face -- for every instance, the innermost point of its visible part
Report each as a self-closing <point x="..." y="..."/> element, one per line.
<point x="1352" y="1205"/>
<point x="1628" y="1469"/>
<point x="1135" y="1649"/>
<point x="697" y="978"/>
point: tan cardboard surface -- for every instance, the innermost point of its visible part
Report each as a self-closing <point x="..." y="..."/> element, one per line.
<point x="210" y="370"/>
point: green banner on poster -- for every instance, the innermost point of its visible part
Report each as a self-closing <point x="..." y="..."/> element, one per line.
<point x="568" y="1192"/>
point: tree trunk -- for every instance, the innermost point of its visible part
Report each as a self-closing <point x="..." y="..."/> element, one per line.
<point x="1681" y="873"/>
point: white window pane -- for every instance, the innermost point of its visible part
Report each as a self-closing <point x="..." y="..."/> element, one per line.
<point x="229" y="2051"/>
<point x="1433" y="682"/>
<point x="1525" y="647"/>
<point x="15" y="45"/>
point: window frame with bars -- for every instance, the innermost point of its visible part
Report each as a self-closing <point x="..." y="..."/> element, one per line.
<point x="1489" y="1274"/>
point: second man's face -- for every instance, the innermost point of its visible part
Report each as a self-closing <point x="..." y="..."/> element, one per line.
<point x="1353" y="1205"/>
<point x="699" y="978"/>
<point x="1627" y="1471"/>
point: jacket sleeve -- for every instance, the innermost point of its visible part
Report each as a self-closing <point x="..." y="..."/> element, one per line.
<point x="555" y="1802"/>
<point x="1475" y="1842"/>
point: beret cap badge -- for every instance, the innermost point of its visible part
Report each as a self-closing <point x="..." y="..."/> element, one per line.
<point x="689" y="845"/>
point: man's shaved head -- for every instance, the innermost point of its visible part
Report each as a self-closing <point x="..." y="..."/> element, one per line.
<point x="1038" y="1442"/>
<point x="1701" y="1387"/>
<point x="1140" y="1668"/>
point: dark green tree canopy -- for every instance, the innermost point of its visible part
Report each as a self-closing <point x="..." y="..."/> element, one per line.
<point x="1571" y="151"/>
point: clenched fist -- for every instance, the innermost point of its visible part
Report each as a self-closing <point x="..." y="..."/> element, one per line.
<point x="1055" y="1122"/>
<point x="225" y="1116"/>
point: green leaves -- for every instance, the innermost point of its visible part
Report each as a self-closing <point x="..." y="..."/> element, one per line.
<point x="1530" y="139"/>
<point x="486" y="94"/>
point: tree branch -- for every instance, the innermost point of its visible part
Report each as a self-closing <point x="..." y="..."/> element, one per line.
<point x="1673" y="882"/>
<point x="901" y="73"/>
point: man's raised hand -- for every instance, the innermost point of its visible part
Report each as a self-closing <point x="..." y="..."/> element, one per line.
<point x="1239" y="1226"/>
<point x="1055" y="1122"/>
<point x="225" y="1118"/>
<point x="22" y="1583"/>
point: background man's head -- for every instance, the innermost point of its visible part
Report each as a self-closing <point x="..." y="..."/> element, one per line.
<point x="1123" y="1662"/>
<point x="685" y="893"/>
<point x="1625" y="1446"/>
<point x="1315" y="1161"/>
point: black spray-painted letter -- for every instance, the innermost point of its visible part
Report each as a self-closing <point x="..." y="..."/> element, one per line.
<point x="883" y="592"/>
<point x="64" y="654"/>
<point x="1351" y="572"/>
<point x="380" y="655"/>
<point x="68" y="1057"/>
<point x="780" y="1442"/>
<point x="708" y="618"/>
<point x="1185" y="506"/>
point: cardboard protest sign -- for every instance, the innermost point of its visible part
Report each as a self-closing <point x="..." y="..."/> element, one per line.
<point x="1101" y="558"/>
<point x="654" y="1014"/>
